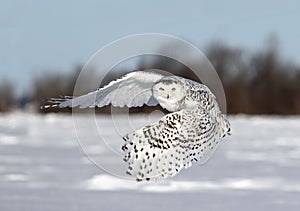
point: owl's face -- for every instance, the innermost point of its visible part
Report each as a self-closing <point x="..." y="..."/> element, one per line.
<point x="169" y="93"/>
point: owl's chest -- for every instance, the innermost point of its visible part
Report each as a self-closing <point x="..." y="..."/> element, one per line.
<point x="168" y="104"/>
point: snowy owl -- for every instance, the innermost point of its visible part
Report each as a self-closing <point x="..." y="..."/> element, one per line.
<point x="190" y="133"/>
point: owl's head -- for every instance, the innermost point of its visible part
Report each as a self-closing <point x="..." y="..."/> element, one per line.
<point x="169" y="91"/>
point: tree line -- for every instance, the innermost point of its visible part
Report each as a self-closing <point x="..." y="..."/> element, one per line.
<point x="259" y="82"/>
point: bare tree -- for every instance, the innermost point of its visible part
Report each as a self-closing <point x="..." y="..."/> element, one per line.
<point x="6" y="96"/>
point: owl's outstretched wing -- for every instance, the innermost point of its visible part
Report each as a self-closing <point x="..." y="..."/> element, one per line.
<point x="132" y="90"/>
<point x="161" y="150"/>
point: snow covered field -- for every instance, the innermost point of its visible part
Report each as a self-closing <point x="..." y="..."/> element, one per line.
<point x="43" y="167"/>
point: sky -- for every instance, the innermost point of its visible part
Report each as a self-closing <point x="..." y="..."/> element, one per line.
<point x="40" y="37"/>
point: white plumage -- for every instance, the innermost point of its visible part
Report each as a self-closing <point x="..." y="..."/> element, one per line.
<point x="190" y="133"/>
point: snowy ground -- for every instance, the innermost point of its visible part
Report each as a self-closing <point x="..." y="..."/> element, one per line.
<point x="43" y="167"/>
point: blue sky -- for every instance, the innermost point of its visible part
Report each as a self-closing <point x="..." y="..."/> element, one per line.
<point x="42" y="36"/>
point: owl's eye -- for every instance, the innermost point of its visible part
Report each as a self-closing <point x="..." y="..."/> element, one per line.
<point x="161" y="89"/>
<point x="173" y="89"/>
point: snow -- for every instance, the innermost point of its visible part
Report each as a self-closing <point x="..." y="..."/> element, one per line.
<point x="105" y="182"/>
<point x="44" y="166"/>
